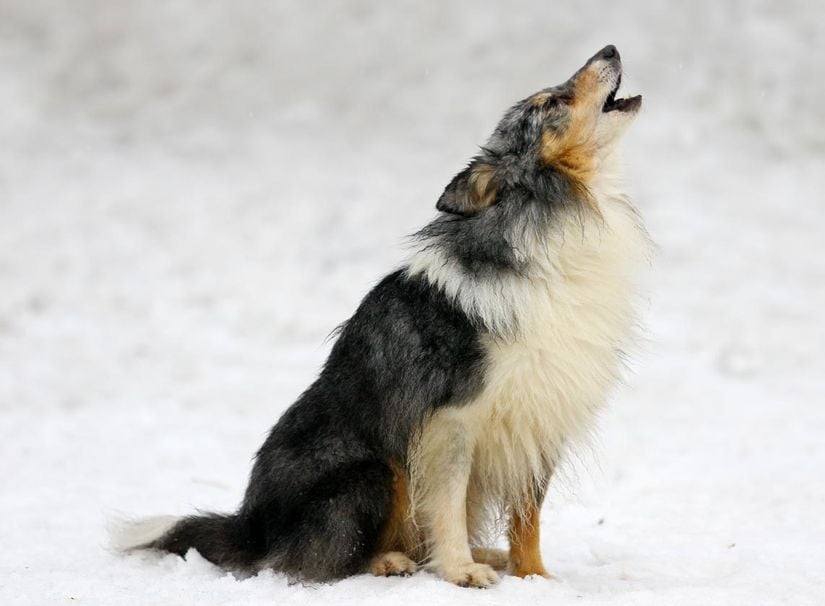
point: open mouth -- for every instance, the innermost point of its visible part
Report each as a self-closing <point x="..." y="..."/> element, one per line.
<point x="612" y="104"/>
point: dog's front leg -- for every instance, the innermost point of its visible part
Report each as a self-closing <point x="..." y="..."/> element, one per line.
<point x="447" y="459"/>
<point x="525" y="544"/>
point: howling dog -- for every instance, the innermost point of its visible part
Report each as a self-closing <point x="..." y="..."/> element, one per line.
<point x="453" y="392"/>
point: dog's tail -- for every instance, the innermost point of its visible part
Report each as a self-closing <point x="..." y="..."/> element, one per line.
<point x="222" y="539"/>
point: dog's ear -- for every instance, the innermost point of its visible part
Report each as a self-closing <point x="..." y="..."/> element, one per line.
<point x="471" y="191"/>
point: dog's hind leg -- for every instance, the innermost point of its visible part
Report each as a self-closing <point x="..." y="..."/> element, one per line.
<point x="392" y="563"/>
<point x="334" y="530"/>
<point x="398" y="542"/>
<point x="482" y="527"/>
<point x="497" y="559"/>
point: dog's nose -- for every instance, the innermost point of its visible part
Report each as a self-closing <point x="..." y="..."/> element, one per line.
<point x="609" y="52"/>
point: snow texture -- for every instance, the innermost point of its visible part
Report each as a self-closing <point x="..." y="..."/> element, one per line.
<point x="194" y="194"/>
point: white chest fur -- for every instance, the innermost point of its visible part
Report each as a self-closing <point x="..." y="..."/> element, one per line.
<point x="547" y="378"/>
<point x="544" y="387"/>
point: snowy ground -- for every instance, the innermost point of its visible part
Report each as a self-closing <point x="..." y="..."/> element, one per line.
<point x="193" y="194"/>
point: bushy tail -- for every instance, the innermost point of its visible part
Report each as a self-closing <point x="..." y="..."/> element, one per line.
<point x="221" y="539"/>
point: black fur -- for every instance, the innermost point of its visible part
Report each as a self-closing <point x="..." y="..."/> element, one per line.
<point x="488" y="243"/>
<point x="320" y="489"/>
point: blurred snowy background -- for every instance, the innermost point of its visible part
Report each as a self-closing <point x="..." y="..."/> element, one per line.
<point x="193" y="194"/>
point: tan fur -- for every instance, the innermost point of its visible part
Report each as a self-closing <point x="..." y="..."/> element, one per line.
<point x="574" y="150"/>
<point x="400" y="533"/>
<point x="482" y="191"/>
<point x="391" y="563"/>
<point x="540" y="99"/>
<point x="569" y="153"/>
<point x="525" y="542"/>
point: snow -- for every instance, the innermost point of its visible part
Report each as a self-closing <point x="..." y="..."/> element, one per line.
<point x="193" y="195"/>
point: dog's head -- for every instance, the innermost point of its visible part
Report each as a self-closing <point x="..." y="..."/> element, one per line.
<point x="564" y="130"/>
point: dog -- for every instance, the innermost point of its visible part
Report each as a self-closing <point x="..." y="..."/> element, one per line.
<point x="454" y="391"/>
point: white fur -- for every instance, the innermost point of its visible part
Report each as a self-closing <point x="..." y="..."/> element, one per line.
<point x="497" y="302"/>
<point x="555" y="350"/>
<point x="135" y="534"/>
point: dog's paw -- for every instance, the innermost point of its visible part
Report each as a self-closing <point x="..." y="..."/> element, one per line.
<point x="471" y="574"/>
<point x="392" y="563"/>
<point x="497" y="558"/>
<point x="529" y="571"/>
